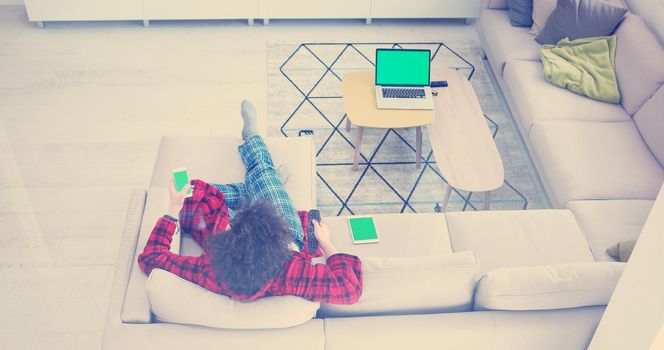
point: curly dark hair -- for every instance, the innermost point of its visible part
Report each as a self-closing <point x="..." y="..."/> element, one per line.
<point x="254" y="250"/>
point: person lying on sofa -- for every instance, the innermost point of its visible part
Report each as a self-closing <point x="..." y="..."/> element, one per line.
<point x="255" y="250"/>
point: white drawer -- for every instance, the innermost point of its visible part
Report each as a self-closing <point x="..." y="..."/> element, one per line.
<point x="67" y="10"/>
<point x="425" y="8"/>
<point x="200" y="9"/>
<point x="314" y="8"/>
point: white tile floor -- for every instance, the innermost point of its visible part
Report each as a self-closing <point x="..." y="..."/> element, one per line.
<point x="82" y="109"/>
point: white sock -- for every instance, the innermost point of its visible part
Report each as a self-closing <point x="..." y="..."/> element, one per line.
<point x="248" y="113"/>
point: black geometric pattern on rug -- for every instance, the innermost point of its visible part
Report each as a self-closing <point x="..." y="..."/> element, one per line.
<point x="368" y="163"/>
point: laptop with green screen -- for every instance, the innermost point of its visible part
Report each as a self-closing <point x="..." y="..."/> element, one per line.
<point x="402" y="80"/>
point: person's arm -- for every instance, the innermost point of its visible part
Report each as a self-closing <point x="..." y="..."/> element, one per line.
<point x="322" y="234"/>
<point x="337" y="282"/>
<point x="157" y="254"/>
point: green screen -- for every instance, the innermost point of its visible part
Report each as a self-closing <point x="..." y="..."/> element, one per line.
<point x="402" y="67"/>
<point x="181" y="178"/>
<point x="363" y="229"/>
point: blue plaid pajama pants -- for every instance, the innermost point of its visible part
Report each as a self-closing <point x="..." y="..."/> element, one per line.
<point x="261" y="182"/>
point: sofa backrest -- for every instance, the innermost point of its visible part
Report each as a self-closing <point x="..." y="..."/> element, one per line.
<point x="653" y="12"/>
<point x="649" y="118"/>
<point x="650" y="121"/>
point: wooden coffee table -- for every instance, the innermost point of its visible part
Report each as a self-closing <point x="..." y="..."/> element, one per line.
<point x="462" y="143"/>
<point x="359" y="97"/>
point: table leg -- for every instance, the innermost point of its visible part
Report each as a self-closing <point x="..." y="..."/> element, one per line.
<point x="418" y="146"/>
<point x="358" y="145"/>
<point x="347" y="123"/>
<point x="446" y="197"/>
<point x="487" y="200"/>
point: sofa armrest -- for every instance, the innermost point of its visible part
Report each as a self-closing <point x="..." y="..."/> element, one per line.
<point x="125" y="258"/>
<point x="136" y="306"/>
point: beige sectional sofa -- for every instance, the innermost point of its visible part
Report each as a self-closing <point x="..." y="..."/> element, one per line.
<point x="599" y="171"/>
<point x="399" y="310"/>
<point x="594" y="158"/>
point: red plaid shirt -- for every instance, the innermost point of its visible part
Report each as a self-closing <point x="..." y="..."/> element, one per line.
<point x="337" y="282"/>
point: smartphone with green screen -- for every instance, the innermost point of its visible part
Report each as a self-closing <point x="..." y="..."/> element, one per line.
<point x="181" y="179"/>
<point x="363" y="229"/>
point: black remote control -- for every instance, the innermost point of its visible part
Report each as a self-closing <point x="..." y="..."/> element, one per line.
<point x="439" y="83"/>
<point x="314" y="214"/>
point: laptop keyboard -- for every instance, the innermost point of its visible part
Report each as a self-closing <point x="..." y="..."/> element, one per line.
<point x="403" y="93"/>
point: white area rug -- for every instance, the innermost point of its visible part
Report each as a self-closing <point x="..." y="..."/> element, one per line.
<point x="304" y="94"/>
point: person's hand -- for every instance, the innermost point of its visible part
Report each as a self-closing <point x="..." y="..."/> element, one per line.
<point x="176" y="199"/>
<point x="322" y="234"/>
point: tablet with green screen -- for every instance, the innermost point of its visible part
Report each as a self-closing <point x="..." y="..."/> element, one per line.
<point x="362" y="229"/>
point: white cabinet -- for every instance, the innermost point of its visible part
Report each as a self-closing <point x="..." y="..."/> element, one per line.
<point x="314" y="8"/>
<point x="425" y="8"/>
<point x="200" y="9"/>
<point x="81" y="10"/>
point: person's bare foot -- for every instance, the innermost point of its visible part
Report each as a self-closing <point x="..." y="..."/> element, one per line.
<point x="248" y="112"/>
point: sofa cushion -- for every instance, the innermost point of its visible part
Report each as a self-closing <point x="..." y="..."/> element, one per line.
<point x="639" y="63"/>
<point x="575" y="19"/>
<point x="519" y="238"/>
<point x="413" y="285"/>
<point x="533" y="98"/>
<point x="502" y="42"/>
<point x="466" y="330"/>
<point x="167" y="292"/>
<point x="496" y="330"/>
<point x="400" y="235"/>
<point x="650" y="121"/>
<point x="219" y="162"/>
<point x="582" y="160"/>
<point x="652" y="12"/>
<point x="546" y="330"/>
<point x="548" y="287"/>
<point x="608" y="222"/>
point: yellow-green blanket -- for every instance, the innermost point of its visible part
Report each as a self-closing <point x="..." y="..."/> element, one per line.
<point x="585" y="66"/>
